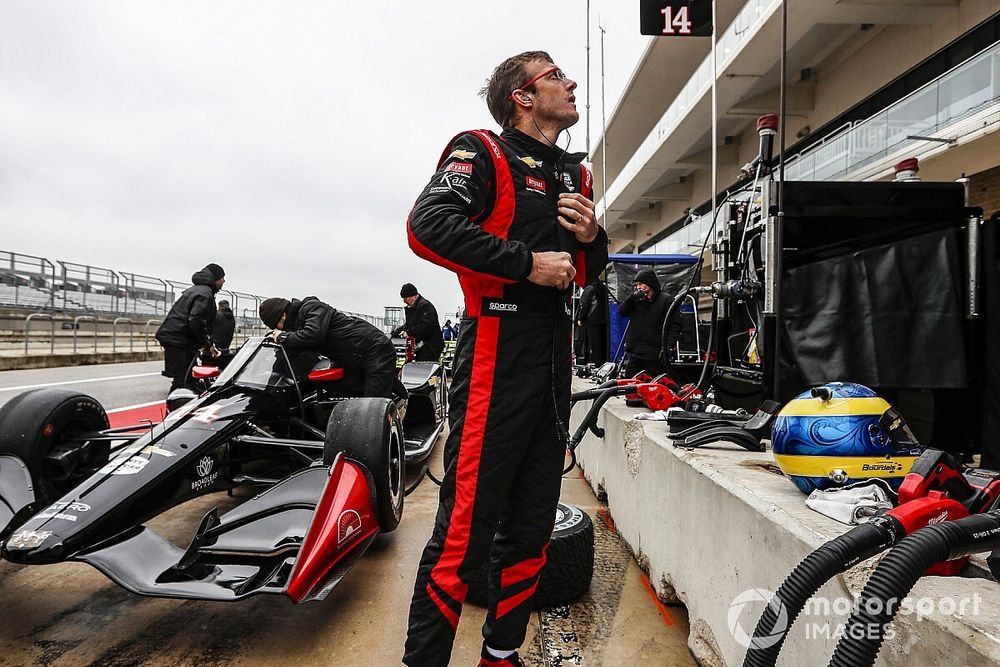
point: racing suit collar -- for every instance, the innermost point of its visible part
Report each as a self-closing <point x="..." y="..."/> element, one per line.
<point x="538" y="149"/>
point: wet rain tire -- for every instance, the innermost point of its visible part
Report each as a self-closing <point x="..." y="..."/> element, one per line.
<point x="32" y="423"/>
<point x="368" y="430"/>
<point x="569" y="566"/>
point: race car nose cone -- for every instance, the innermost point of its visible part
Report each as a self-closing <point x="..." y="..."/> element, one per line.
<point x="33" y="547"/>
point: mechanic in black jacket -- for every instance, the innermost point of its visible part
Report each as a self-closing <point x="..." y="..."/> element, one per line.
<point x="224" y="327"/>
<point x="186" y="328"/>
<point x="511" y="215"/>
<point x="365" y="353"/>
<point x="646" y="309"/>
<point x="422" y="324"/>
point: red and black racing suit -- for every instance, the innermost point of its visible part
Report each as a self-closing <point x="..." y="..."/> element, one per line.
<point x="490" y="205"/>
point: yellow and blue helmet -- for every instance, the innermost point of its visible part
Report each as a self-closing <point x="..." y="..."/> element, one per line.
<point x="840" y="433"/>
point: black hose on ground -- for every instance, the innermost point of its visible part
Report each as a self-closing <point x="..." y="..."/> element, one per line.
<point x="816" y="569"/>
<point x="424" y="472"/>
<point x="895" y="576"/>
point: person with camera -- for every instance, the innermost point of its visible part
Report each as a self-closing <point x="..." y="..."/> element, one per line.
<point x="646" y="309"/>
<point x="186" y="329"/>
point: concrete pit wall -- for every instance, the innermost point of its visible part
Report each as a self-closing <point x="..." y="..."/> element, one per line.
<point x="710" y="525"/>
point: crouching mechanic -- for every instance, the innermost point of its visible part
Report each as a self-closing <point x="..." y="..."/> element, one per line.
<point x="365" y="353"/>
<point x="511" y="215"/>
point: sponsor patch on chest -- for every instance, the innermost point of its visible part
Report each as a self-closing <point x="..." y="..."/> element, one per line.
<point x="535" y="184"/>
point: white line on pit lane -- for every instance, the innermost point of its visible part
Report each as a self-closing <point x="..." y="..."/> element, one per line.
<point x="57" y="384"/>
<point x="135" y="407"/>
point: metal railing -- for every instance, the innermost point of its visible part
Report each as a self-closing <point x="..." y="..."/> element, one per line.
<point x="76" y="329"/>
<point x="114" y="333"/>
<point x="125" y="298"/>
<point x="52" y="332"/>
<point x="933" y="114"/>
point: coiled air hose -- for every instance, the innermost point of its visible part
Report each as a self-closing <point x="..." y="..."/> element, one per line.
<point x="899" y="571"/>
<point x="816" y="569"/>
<point x="833" y="558"/>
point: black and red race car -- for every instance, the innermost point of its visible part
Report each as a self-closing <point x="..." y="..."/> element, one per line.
<point x="330" y="469"/>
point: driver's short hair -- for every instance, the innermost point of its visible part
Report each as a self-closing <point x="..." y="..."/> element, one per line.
<point x="507" y="76"/>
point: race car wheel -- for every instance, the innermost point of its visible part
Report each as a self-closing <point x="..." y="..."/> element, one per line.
<point x="568" y="568"/>
<point x="40" y="428"/>
<point x="369" y="431"/>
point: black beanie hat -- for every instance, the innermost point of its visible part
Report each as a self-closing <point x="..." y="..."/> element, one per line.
<point x="271" y="310"/>
<point x="407" y="290"/>
<point x="648" y="277"/>
<point x="216" y="271"/>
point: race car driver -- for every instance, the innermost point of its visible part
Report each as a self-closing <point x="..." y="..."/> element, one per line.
<point x="365" y="353"/>
<point x="511" y="215"/>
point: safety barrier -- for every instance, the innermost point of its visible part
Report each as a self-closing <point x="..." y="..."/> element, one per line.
<point x="27" y="328"/>
<point x="76" y="329"/>
<point x="114" y="333"/>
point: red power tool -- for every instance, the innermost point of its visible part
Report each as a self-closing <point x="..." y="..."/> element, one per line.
<point x="939" y="488"/>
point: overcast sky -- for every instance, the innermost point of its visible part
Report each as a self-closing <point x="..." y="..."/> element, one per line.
<point x="285" y="141"/>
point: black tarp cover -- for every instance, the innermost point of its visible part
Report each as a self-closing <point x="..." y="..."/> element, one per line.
<point x="887" y="316"/>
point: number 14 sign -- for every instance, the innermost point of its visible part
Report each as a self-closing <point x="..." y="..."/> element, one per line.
<point x="675" y="18"/>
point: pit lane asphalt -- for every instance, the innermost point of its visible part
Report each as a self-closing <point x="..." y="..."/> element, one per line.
<point x="69" y="614"/>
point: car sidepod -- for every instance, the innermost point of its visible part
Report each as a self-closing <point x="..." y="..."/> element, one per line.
<point x="426" y="407"/>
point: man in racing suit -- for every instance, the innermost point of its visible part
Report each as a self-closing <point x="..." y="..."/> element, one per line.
<point x="366" y="354"/>
<point x="511" y="215"/>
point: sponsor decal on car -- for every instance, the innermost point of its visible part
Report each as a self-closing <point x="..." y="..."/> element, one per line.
<point x="60" y="510"/>
<point x="535" y="184"/>
<point x="28" y="539"/>
<point x="204" y="471"/>
<point x="348" y="525"/>
<point x="127" y="463"/>
<point x="130" y="466"/>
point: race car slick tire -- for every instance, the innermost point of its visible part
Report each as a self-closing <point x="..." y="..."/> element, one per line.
<point x="368" y="430"/>
<point x="568" y="568"/>
<point x="32" y="424"/>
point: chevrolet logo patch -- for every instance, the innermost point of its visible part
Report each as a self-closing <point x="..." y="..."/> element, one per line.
<point x="530" y="161"/>
<point x="462" y="155"/>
